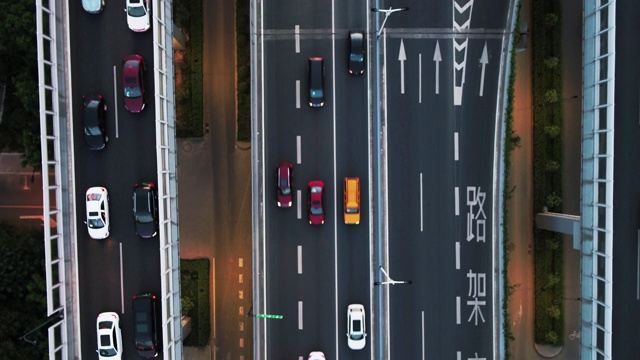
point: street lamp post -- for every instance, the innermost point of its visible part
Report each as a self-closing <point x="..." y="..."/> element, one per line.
<point x="390" y="281"/>
<point x="387" y="13"/>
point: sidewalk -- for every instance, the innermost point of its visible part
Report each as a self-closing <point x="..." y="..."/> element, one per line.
<point x="520" y="207"/>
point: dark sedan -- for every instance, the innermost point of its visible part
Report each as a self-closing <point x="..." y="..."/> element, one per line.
<point x="145" y="209"/>
<point x="356" y="52"/>
<point x="95" y="109"/>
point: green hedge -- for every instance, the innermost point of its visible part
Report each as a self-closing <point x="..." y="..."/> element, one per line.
<point x="547" y="155"/>
<point x="189" y="94"/>
<point x="511" y="142"/>
<point x="195" y="287"/>
<point x="243" y="52"/>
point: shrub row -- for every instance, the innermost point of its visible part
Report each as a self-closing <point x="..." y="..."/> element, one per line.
<point x="195" y="294"/>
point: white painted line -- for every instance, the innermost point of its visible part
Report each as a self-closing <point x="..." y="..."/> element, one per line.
<point x="297" y="36"/>
<point x="458" y="310"/>
<point x="240" y="262"/>
<point x="422" y="334"/>
<point x="638" y="269"/>
<point x="299" y="204"/>
<point x="115" y="98"/>
<point x="299" y="149"/>
<point x="213" y="286"/>
<point x="458" y="355"/>
<point x="456" y="154"/>
<point x="457" y="200"/>
<point x="241" y="343"/>
<point x="420" y="78"/>
<point x="421" y="206"/>
<point x="299" y="259"/>
<point x="299" y="315"/>
<point x="121" y="283"/>
<point x="297" y="94"/>
<point x="457" y="255"/>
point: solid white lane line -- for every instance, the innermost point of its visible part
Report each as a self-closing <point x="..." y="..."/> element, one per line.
<point x="420" y="78"/>
<point x="422" y="334"/>
<point x="457" y="255"/>
<point x="121" y="283"/>
<point x="638" y="269"/>
<point x="457" y="200"/>
<point x="297" y="36"/>
<point x="456" y="153"/>
<point x="458" y="310"/>
<point x="299" y="259"/>
<point x="297" y="94"/>
<point x="115" y="98"/>
<point x="421" y="207"/>
<point x="213" y="287"/>
<point x="299" y="315"/>
<point x="299" y="149"/>
<point x="299" y="193"/>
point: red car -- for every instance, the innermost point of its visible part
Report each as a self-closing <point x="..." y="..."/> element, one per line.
<point x="284" y="179"/>
<point x="316" y="202"/>
<point x="133" y="82"/>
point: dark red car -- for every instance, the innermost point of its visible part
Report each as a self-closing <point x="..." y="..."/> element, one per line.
<point x="133" y="82"/>
<point x="284" y="179"/>
<point x="316" y="202"/>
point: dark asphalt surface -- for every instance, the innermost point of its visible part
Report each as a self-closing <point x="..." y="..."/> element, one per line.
<point x="98" y="43"/>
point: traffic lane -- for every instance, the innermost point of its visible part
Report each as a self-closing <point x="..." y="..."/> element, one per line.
<point x="352" y="160"/>
<point x="283" y="123"/>
<point x="626" y="193"/>
<point x="351" y="15"/>
<point x="299" y="284"/>
<point x="285" y="14"/>
<point x="443" y="14"/>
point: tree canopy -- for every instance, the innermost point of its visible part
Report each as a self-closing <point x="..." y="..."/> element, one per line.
<point x="20" y="126"/>
<point x="22" y="293"/>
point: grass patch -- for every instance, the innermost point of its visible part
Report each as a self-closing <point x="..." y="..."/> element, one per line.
<point x="188" y="69"/>
<point x="243" y="56"/>
<point x="511" y="142"/>
<point x="195" y="299"/>
<point x="547" y="157"/>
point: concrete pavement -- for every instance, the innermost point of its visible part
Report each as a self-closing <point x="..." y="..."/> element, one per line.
<point x="520" y="206"/>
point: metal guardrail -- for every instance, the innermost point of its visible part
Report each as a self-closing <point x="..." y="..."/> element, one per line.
<point x="597" y="178"/>
<point x="166" y="156"/>
<point x="52" y="32"/>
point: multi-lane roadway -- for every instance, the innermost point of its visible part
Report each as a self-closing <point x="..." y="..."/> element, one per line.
<point x="113" y="270"/>
<point x="440" y="77"/>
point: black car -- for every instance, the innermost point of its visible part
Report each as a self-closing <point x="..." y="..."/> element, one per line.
<point x="145" y="334"/>
<point x="316" y="82"/>
<point x="356" y="52"/>
<point x="145" y="209"/>
<point x="95" y="109"/>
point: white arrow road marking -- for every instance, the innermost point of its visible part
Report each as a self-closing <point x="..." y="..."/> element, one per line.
<point x="402" y="57"/>
<point x="437" y="57"/>
<point x="484" y="60"/>
<point x="461" y="22"/>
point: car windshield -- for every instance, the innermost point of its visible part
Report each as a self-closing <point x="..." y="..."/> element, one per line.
<point x="316" y="93"/>
<point x="92" y="130"/>
<point x="144" y="217"/>
<point x="95" y="222"/>
<point x="284" y="187"/>
<point x="357" y="57"/>
<point x="132" y="91"/>
<point x="108" y="352"/>
<point x="352" y="210"/>
<point x="136" y="11"/>
<point x="93" y="197"/>
<point x="316" y="209"/>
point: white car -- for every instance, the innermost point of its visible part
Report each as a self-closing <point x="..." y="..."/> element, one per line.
<point x="97" y="200"/>
<point x="316" y="355"/>
<point x="109" y="336"/>
<point x="138" y="15"/>
<point x="356" y="329"/>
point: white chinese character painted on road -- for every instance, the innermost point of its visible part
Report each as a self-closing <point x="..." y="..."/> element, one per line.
<point x="475" y="197"/>
<point x="459" y="356"/>
<point x="477" y="289"/>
